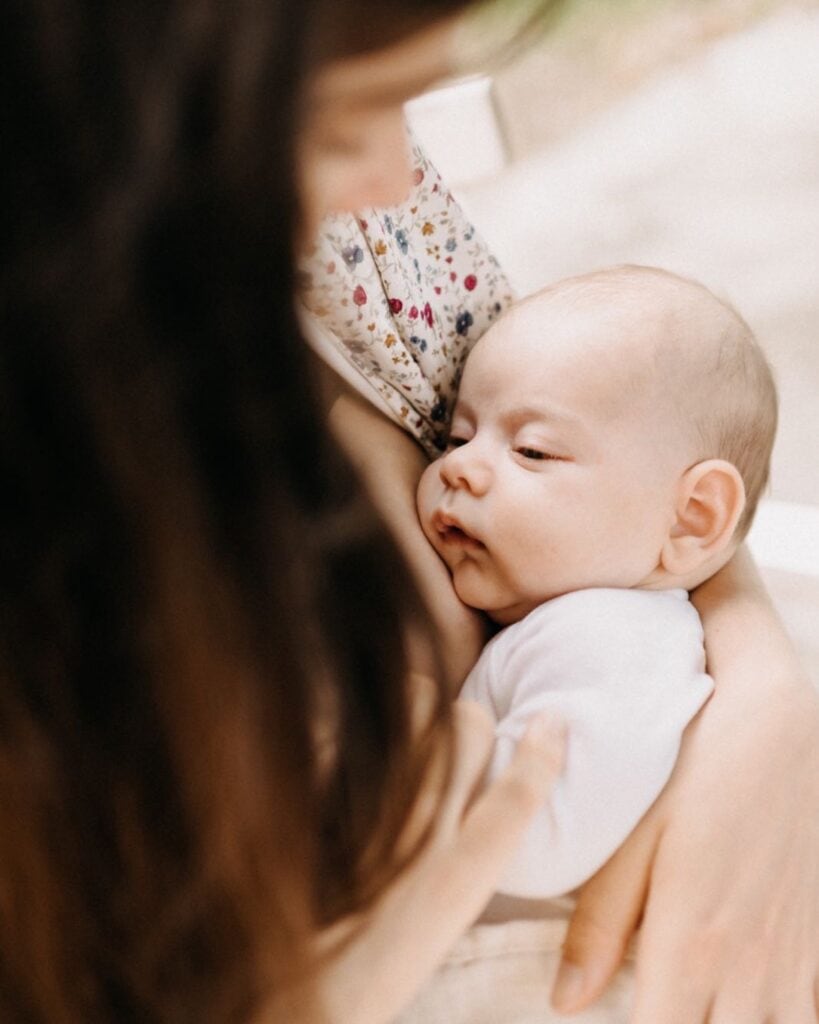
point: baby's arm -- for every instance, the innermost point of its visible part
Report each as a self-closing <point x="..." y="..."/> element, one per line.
<point x="625" y="670"/>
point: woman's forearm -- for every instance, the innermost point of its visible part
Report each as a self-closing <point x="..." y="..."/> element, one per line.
<point x="723" y="871"/>
<point x="747" y="646"/>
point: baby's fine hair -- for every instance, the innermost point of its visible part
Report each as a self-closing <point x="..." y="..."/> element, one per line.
<point x="716" y="377"/>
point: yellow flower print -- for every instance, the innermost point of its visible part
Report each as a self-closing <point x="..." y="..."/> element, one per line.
<point x="428" y="229"/>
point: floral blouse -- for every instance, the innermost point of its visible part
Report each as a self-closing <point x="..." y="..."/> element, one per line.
<point x="404" y="294"/>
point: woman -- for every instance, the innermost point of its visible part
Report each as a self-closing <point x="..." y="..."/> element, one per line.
<point x="212" y="743"/>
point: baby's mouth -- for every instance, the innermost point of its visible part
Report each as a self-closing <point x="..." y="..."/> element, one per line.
<point x="451" y="532"/>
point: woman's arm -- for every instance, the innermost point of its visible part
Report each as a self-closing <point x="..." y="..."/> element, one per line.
<point x="746" y="644"/>
<point x="411" y="927"/>
<point x="373" y="965"/>
<point x="725" y="867"/>
<point x="390" y="465"/>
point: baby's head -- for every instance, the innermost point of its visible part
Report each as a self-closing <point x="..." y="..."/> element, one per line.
<point x="612" y="430"/>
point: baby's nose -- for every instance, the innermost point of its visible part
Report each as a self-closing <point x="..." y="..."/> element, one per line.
<point x="463" y="468"/>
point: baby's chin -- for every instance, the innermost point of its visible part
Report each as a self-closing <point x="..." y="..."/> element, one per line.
<point x="504" y="614"/>
<point x="509" y="615"/>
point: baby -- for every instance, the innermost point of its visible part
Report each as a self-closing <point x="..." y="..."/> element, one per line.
<point x="609" y="445"/>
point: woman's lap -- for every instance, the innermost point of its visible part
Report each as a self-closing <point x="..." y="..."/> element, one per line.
<point x="503" y="974"/>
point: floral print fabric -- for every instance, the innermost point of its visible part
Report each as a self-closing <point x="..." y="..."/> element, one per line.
<point x="404" y="294"/>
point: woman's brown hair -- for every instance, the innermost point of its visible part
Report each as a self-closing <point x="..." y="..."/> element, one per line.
<point x="206" y="747"/>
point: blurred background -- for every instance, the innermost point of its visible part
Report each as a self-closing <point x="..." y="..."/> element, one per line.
<point x="679" y="134"/>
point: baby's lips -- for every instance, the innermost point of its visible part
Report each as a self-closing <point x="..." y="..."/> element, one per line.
<point x="444" y="521"/>
<point x="451" y="529"/>
<point x="441" y="519"/>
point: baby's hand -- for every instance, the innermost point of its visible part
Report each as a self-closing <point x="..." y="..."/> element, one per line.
<point x="416" y="921"/>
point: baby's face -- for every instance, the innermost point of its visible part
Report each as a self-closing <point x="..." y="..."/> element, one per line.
<point x="561" y="468"/>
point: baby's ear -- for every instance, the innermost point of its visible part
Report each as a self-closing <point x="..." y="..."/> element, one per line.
<point x="710" y="500"/>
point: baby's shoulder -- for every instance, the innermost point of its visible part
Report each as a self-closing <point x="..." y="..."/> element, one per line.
<point x="604" y="625"/>
<point x="604" y="607"/>
<point x="636" y="644"/>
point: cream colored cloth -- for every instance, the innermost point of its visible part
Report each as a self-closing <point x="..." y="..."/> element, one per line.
<point x="395" y="299"/>
<point x="503" y="974"/>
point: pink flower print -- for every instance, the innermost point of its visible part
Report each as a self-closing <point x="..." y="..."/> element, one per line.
<point x="428" y="314"/>
<point x="470" y="281"/>
<point x="417" y="176"/>
<point x="331" y="267"/>
<point x="396" y="305"/>
<point x="452" y="275"/>
<point x="359" y="296"/>
<point x="413" y="313"/>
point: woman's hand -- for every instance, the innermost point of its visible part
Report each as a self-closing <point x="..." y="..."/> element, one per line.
<point x="725" y="866"/>
<point x="406" y="935"/>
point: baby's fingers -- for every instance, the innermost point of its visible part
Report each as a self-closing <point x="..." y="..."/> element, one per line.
<point x="493" y="826"/>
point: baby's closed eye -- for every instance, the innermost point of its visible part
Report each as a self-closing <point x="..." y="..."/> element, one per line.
<point x="537" y="454"/>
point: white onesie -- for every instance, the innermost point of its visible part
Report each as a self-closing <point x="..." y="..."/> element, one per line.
<point x="626" y="670"/>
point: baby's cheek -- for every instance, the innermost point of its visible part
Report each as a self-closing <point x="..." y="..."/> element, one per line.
<point x="428" y="496"/>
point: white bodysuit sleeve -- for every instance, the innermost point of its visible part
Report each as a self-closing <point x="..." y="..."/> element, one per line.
<point x="626" y="670"/>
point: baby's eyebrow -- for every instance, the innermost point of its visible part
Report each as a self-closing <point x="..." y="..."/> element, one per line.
<point x="525" y="413"/>
<point x="516" y="415"/>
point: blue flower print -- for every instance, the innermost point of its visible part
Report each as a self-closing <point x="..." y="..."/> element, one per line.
<point x="417" y="266"/>
<point x="401" y="238"/>
<point x="388" y="223"/>
<point x="420" y="343"/>
<point x="451" y="245"/>
<point x="352" y="254"/>
<point x="438" y="412"/>
<point x="470" y="231"/>
<point x="463" y="323"/>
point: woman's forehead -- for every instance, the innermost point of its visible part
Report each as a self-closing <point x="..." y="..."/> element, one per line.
<point x="390" y="75"/>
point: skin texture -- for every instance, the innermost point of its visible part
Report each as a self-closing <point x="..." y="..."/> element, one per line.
<point x="430" y="901"/>
<point x="543" y="483"/>
<point x="353" y="149"/>
<point x="554" y="481"/>
<point x="727" y="886"/>
<point x="390" y="465"/>
<point x="738" y="941"/>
